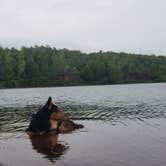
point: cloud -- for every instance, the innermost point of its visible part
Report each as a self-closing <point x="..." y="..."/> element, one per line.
<point x="117" y="25"/>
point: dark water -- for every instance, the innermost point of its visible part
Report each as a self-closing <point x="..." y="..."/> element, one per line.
<point x="125" y="125"/>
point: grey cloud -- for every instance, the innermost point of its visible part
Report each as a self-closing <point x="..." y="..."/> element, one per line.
<point x="89" y="25"/>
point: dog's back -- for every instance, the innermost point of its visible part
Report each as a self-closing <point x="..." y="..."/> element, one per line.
<point x="39" y="121"/>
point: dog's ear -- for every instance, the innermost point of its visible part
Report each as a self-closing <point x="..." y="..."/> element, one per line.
<point x="49" y="102"/>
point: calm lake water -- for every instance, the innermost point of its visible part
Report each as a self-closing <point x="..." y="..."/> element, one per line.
<point x="125" y="125"/>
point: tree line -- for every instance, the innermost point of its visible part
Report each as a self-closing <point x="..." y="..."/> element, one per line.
<point x="41" y="66"/>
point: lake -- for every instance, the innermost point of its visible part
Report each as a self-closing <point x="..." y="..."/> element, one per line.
<point x="125" y="125"/>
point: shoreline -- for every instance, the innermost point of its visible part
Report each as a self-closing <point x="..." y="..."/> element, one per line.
<point x="83" y="85"/>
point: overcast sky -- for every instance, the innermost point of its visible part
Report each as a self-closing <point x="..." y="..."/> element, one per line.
<point x="137" y="26"/>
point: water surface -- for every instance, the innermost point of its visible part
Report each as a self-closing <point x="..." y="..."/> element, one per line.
<point x="124" y="125"/>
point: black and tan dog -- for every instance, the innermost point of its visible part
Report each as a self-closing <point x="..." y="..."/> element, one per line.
<point x="51" y="119"/>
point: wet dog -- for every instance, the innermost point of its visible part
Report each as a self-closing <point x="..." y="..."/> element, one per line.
<point x="51" y="119"/>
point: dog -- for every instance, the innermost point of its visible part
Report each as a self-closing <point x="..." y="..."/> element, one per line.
<point x="50" y="119"/>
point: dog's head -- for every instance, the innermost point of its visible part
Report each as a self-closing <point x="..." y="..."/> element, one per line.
<point x="50" y="107"/>
<point x="46" y="118"/>
<point x="54" y="112"/>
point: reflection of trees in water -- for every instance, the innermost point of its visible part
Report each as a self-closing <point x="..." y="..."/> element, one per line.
<point x="48" y="146"/>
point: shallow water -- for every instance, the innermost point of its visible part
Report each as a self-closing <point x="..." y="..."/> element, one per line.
<point x="124" y="125"/>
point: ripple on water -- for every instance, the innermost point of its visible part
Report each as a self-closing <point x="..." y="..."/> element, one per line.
<point x="17" y="119"/>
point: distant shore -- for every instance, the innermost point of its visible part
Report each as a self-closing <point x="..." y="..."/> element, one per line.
<point x="41" y="66"/>
<point x="74" y="85"/>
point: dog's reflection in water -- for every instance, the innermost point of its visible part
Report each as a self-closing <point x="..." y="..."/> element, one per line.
<point x="48" y="145"/>
<point x="44" y="128"/>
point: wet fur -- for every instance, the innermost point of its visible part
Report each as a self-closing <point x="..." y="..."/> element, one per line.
<point x="50" y="118"/>
<point x="40" y="121"/>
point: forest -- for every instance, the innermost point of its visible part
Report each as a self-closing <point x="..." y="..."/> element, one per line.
<point x="44" y="66"/>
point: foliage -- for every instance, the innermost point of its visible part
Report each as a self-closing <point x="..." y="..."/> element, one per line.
<point x="46" y="66"/>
